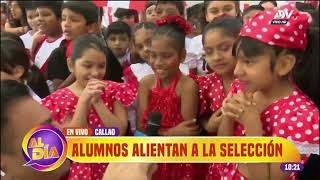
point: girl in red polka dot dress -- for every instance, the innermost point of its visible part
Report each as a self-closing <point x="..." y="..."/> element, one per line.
<point x="270" y="97"/>
<point x="218" y="38"/>
<point x="170" y="92"/>
<point x="89" y="101"/>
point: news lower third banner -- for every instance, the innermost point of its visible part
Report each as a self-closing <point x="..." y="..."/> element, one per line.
<point x="45" y="148"/>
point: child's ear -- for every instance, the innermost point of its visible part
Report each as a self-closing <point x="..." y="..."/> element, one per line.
<point x="18" y="72"/>
<point x="70" y="65"/>
<point x="183" y="54"/>
<point x="285" y="64"/>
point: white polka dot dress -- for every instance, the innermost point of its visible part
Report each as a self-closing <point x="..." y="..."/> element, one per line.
<point x="63" y="102"/>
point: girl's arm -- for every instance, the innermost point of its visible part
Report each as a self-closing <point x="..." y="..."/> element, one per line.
<point x="143" y="99"/>
<point x="189" y="109"/>
<point x="251" y="121"/>
<point x="212" y="124"/>
<point x="189" y="99"/>
<point x="226" y="127"/>
<point x="16" y="30"/>
<point x="117" y="119"/>
<point x="79" y="119"/>
<point x="267" y="171"/>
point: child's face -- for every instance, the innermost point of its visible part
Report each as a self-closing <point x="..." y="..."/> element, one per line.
<point x="32" y="19"/>
<point x="218" y="52"/>
<point x="255" y="72"/>
<point x="216" y="9"/>
<point x="118" y="43"/>
<point x="73" y="24"/>
<point x="250" y="14"/>
<point x="151" y="14"/>
<point x="92" y="65"/>
<point x="48" y="22"/>
<point x="164" y="57"/>
<point x="142" y="42"/>
<point x="129" y="20"/>
<point x="164" y="10"/>
<point x="15" y="10"/>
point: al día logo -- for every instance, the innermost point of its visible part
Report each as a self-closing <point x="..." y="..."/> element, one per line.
<point x="44" y="148"/>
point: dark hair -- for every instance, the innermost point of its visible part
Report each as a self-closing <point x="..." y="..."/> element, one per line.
<point x="252" y="7"/>
<point x="14" y="54"/>
<point x="304" y="6"/>
<point x="145" y="25"/>
<point x="35" y="79"/>
<point x="4" y="7"/>
<point x="236" y="3"/>
<point x="178" y="4"/>
<point x="86" y="8"/>
<point x="54" y="6"/>
<point x="8" y="35"/>
<point x="101" y="12"/>
<point x="18" y="22"/>
<point x="174" y="32"/>
<point x="264" y="1"/>
<point x="306" y="70"/>
<point x="231" y="26"/>
<point x="122" y="12"/>
<point x="118" y="27"/>
<point x="196" y="10"/>
<point x="29" y="5"/>
<point x="10" y="91"/>
<point x="149" y="3"/>
<point x="115" y="70"/>
<point x="87" y="41"/>
<point x="315" y="18"/>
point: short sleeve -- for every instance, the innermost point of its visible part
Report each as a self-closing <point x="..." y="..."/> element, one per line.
<point x="126" y="94"/>
<point x="57" y="64"/>
<point x="51" y="102"/>
<point x="301" y="126"/>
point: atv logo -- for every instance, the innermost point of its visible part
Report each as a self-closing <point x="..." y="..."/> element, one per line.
<point x="282" y="17"/>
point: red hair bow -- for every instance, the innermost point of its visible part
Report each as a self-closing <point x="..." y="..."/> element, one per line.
<point x="178" y="20"/>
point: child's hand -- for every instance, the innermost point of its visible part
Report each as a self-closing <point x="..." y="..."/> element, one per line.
<point x="214" y="121"/>
<point x="92" y="91"/>
<point x="254" y="110"/>
<point x="100" y="85"/>
<point x="233" y="106"/>
<point x="185" y="128"/>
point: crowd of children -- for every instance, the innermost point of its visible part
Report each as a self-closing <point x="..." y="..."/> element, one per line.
<point x="237" y="74"/>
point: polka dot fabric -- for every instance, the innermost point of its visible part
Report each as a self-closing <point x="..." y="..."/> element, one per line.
<point x="295" y="118"/>
<point x="63" y="103"/>
<point x="293" y="34"/>
<point x="168" y="103"/>
<point x="211" y="93"/>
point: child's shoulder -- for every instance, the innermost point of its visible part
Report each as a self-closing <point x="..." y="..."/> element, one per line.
<point x="296" y="106"/>
<point x="187" y="82"/>
<point x="148" y="81"/>
<point x="60" y="94"/>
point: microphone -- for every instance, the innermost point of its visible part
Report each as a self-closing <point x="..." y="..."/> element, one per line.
<point x="154" y="123"/>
